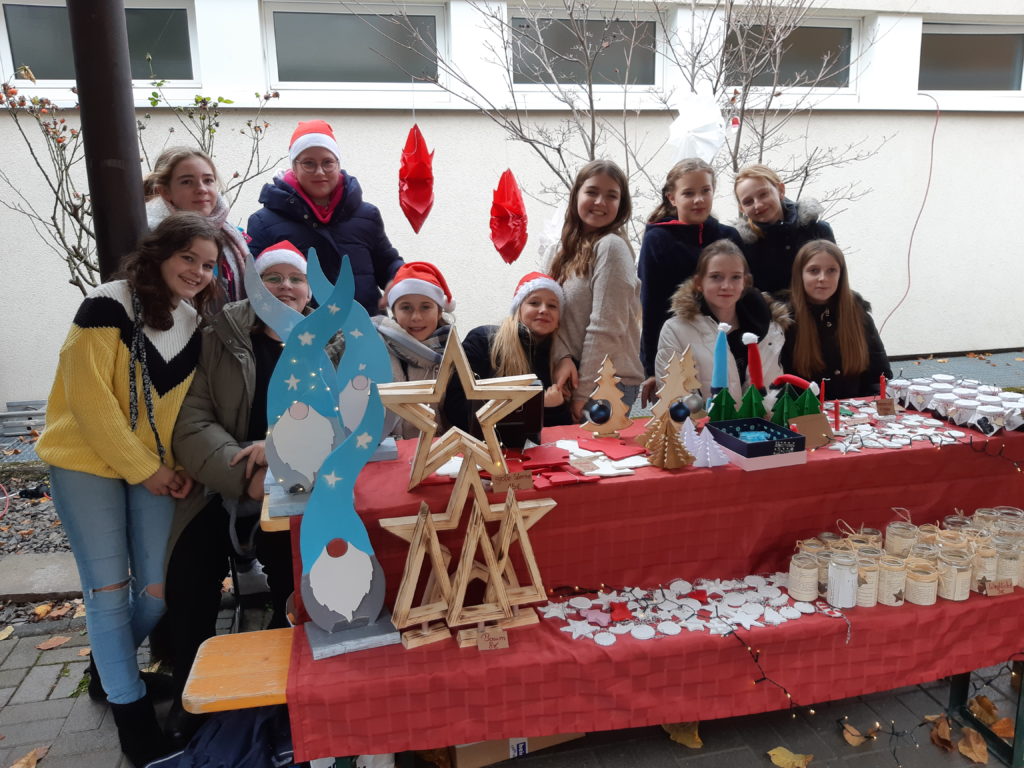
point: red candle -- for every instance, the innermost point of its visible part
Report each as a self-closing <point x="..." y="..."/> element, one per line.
<point x="821" y="395"/>
<point x="836" y="427"/>
<point x="881" y="386"/>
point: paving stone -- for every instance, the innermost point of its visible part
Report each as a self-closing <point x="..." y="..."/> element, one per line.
<point x="578" y="758"/>
<point x="24" y="654"/>
<point x="67" y="682"/>
<point x="740" y="757"/>
<point x="7" y="757"/>
<point x="36" y="710"/>
<point x="86" y="714"/>
<point x="81" y="742"/>
<point x="61" y="655"/>
<point x="78" y="639"/>
<point x="5" y="695"/>
<point x="37" y="684"/>
<point x="11" y="678"/>
<point x="6" y="646"/>
<point x="109" y="758"/>
<point x="37" y="733"/>
<point x="649" y="752"/>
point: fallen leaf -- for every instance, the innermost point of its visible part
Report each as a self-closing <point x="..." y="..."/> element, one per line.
<point x="933" y="718"/>
<point x="225" y="586"/>
<point x="42" y="611"/>
<point x="12" y="452"/>
<point x="983" y="709"/>
<point x="973" y="747"/>
<point x="1003" y="728"/>
<point x="6" y="632"/>
<point x="54" y="642"/>
<point x="79" y="612"/>
<point x="152" y="668"/>
<point x="941" y="360"/>
<point x="854" y="737"/>
<point x="684" y="733"/>
<point x="940" y="735"/>
<point x="28" y="532"/>
<point x="32" y="758"/>
<point x="85" y="651"/>
<point x="56" y="614"/>
<point x="783" y="758"/>
<point x="1019" y="359"/>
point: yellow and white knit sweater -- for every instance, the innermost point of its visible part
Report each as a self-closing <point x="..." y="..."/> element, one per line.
<point x="87" y="415"/>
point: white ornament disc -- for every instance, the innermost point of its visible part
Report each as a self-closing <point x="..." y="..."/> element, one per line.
<point x="581" y="603"/>
<point x="621" y="629"/>
<point x="777" y="601"/>
<point x="669" y="628"/>
<point x="642" y="632"/>
<point x="769" y="591"/>
<point x="605" y="638"/>
<point x="789" y="612"/>
<point x="752" y="609"/>
<point x="803" y="607"/>
<point x="681" y="586"/>
<point x="754" y="581"/>
<point x="734" y="599"/>
<point x="691" y="602"/>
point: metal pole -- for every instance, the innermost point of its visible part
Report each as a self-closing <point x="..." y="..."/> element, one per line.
<point x="99" y="41"/>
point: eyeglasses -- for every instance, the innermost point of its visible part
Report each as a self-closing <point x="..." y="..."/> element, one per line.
<point x="310" y="166"/>
<point x="275" y="279"/>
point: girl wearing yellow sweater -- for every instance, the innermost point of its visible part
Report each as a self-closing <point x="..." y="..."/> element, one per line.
<point x="124" y="370"/>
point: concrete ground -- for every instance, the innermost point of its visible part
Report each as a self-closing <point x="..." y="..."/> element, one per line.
<point x="42" y="701"/>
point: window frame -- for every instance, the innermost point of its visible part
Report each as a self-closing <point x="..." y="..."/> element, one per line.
<point x="438" y="10"/>
<point x="7" y="64"/>
<point x="856" y="26"/>
<point x="954" y="28"/>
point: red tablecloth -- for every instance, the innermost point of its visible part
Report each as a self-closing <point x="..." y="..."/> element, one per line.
<point x="720" y="522"/>
<point x="390" y="699"/>
<point x="650" y="528"/>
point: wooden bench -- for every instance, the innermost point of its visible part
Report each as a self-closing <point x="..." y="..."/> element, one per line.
<point x="239" y="671"/>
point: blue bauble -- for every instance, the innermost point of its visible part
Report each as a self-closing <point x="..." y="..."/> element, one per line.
<point x="599" y="411"/>
<point x="678" y="411"/>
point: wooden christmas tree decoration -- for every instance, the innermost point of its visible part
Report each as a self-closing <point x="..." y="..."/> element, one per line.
<point x="752" y="405"/>
<point x="436" y="593"/>
<point x="498" y="607"/>
<point x="723" y="407"/>
<point x="665" y="446"/>
<point x="661" y="437"/>
<point x="689" y="435"/>
<point x="417" y="403"/>
<point x="608" y="413"/>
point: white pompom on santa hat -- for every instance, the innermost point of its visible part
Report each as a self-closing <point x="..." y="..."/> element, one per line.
<point x="535" y="281"/>
<point x="280" y="253"/>
<point x="313" y="133"/>
<point x="424" y="279"/>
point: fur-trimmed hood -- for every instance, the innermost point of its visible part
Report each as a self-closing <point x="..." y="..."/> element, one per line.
<point x="798" y="214"/>
<point x="686" y="304"/>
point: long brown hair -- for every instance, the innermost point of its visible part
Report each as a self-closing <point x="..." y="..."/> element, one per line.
<point x="142" y="267"/>
<point x="680" y="169"/>
<point x="576" y="249"/>
<point x="849" y="319"/>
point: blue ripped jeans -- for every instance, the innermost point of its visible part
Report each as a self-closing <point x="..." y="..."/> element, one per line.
<point x="118" y="533"/>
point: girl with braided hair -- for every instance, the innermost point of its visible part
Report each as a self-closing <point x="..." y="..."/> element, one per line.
<point x="123" y="373"/>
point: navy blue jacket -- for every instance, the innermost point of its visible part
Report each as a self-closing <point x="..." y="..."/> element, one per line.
<point x="668" y="258"/>
<point x="771" y="254"/>
<point x="355" y="230"/>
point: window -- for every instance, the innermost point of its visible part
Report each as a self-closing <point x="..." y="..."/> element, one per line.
<point x="970" y="58"/>
<point x="318" y="47"/>
<point x="546" y="50"/>
<point x="815" y="56"/>
<point x="40" y="36"/>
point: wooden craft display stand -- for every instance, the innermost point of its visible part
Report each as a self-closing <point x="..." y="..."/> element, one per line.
<point x="484" y="556"/>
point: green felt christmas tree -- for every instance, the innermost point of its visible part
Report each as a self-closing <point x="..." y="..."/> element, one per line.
<point x="785" y="407"/>
<point x="752" y="405"/>
<point x="807" y="403"/>
<point x="723" y="407"/>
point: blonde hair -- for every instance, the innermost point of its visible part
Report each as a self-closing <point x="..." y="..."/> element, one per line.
<point x="756" y="171"/>
<point x="160" y="177"/>
<point x="853" y="347"/>
<point x="508" y="358"/>
<point x="680" y="169"/>
<point x="720" y="248"/>
<point x="575" y="251"/>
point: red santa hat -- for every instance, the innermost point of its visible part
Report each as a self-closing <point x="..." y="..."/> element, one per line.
<point x="535" y="281"/>
<point x="280" y="253"/>
<point x="420" y="277"/>
<point x="312" y="133"/>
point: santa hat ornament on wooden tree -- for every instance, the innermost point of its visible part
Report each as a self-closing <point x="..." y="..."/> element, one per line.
<point x="416" y="179"/>
<point x="508" y="218"/>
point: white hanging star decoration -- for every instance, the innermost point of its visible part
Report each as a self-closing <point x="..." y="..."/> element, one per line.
<point x="306" y="339"/>
<point x="605" y="599"/>
<point x="554" y="610"/>
<point x="580" y="629"/>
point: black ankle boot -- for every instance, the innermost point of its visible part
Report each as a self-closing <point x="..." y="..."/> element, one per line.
<point x="181" y="726"/>
<point x="160" y="687"/>
<point x="141" y="739"/>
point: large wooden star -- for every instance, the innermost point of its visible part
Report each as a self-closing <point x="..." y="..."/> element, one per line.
<point x="417" y="402"/>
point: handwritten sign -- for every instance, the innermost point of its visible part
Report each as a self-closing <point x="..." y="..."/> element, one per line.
<point x="492" y="639"/>
<point x="519" y="481"/>
<point x="885" y="407"/>
<point x="999" y="587"/>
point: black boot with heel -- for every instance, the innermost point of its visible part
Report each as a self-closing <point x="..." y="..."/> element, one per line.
<point x="142" y="740"/>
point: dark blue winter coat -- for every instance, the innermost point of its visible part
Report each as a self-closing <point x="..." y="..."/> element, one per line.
<point x="355" y="230"/>
<point x="771" y="254"/>
<point x="668" y="258"/>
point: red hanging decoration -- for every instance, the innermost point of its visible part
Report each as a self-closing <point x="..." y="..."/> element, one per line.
<point x="416" y="179"/>
<point x="508" y="218"/>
